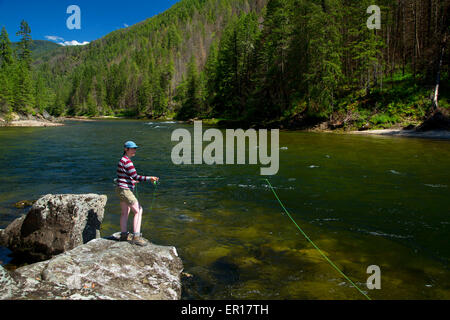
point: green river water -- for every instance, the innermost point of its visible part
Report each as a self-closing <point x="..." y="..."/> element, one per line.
<point x="364" y="200"/>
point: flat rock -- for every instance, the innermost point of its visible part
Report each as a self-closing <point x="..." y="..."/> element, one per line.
<point x="101" y="269"/>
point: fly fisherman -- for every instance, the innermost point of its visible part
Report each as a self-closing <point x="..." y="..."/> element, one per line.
<point x="127" y="177"/>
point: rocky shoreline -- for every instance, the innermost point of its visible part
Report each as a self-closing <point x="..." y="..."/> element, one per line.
<point x="62" y="233"/>
<point x="432" y="131"/>
<point x="28" y="120"/>
<point x="33" y="123"/>
<point x="432" y="134"/>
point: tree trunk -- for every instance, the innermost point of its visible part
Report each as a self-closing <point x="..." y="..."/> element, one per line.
<point x="414" y="7"/>
<point x="403" y="38"/>
<point x="438" y="76"/>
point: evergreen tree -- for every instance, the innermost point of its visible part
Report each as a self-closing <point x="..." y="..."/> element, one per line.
<point x="144" y="95"/>
<point x="6" y="69"/>
<point x="59" y="103"/>
<point x="91" y="104"/>
<point x="24" y="44"/>
<point x="6" y="54"/>
<point x="41" y="94"/>
<point x="365" y="50"/>
<point x="234" y="68"/>
<point x="6" y="91"/>
<point x="24" y="88"/>
<point x="23" y="91"/>
<point x="324" y="70"/>
<point x="191" y="103"/>
<point x="210" y="75"/>
<point x="271" y="96"/>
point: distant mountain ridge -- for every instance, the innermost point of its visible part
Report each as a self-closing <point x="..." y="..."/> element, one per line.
<point x="106" y="74"/>
<point x="39" y="48"/>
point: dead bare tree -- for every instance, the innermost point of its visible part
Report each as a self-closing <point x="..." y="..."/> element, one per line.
<point x="438" y="75"/>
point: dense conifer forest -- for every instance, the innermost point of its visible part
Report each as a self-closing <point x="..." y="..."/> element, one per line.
<point x="258" y="61"/>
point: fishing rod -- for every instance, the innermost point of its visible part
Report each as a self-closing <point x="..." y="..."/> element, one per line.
<point x="155" y="183"/>
<point x="194" y="178"/>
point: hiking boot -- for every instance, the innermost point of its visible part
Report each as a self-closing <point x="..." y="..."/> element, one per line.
<point x="126" y="237"/>
<point x="139" y="241"/>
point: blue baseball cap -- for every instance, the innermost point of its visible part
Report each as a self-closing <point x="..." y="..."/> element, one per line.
<point x="130" y="145"/>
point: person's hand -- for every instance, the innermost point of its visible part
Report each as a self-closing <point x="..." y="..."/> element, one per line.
<point x="153" y="179"/>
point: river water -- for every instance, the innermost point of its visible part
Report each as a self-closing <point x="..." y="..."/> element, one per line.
<point x="364" y="200"/>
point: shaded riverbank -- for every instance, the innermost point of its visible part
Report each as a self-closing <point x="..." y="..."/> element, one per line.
<point x="326" y="127"/>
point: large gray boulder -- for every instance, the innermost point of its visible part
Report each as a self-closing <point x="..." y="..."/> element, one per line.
<point x="46" y="115"/>
<point x="102" y="269"/>
<point x="8" y="285"/>
<point x="55" y="224"/>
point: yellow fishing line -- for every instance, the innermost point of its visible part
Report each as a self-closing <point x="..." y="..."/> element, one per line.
<point x="315" y="246"/>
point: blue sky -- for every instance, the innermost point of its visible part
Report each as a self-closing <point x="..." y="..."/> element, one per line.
<point x="47" y="18"/>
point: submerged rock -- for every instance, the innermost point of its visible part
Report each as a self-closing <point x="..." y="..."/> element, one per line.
<point x="23" y="204"/>
<point x="55" y="224"/>
<point x="101" y="269"/>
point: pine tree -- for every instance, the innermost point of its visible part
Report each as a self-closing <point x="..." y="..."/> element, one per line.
<point x="231" y="77"/>
<point x="24" y="44"/>
<point x="144" y="95"/>
<point x="6" y="54"/>
<point x="6" y="69"/>
<point x="210" y="74"/>
<point x="24" y="88"/>
<point x="59" y="103"/>
<point x="192" y="103"/>
<point x="271" y="96"/>
<point x="91" y="104"/>
<point x="41" y="94"/>
<point x="6" y="91"/>
<point x="23" y="92"/>
<point x="324" y="70"/>
<point x="365" y="49"/>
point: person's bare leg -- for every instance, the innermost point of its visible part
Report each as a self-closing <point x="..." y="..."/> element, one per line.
<point x="124" y="217"/>
<point x="139" y="222"/>
<point x="137" y="236"/>
<point x="137" y="210"/>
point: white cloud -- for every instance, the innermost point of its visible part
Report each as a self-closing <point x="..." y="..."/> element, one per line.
<point x="125" y="25"/>
<point x="54" y="38"/>
<point x="64" y="43"/>
<point x="73" y="43"/>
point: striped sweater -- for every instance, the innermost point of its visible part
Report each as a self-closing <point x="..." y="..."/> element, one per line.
<point x="127" y="175"/>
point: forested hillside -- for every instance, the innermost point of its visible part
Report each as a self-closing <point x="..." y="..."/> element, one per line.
<point x="316" y="60"/>
<point x="132" y="71"/>
<point x="251" y="60"/>
<point x="38" y="48"/>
